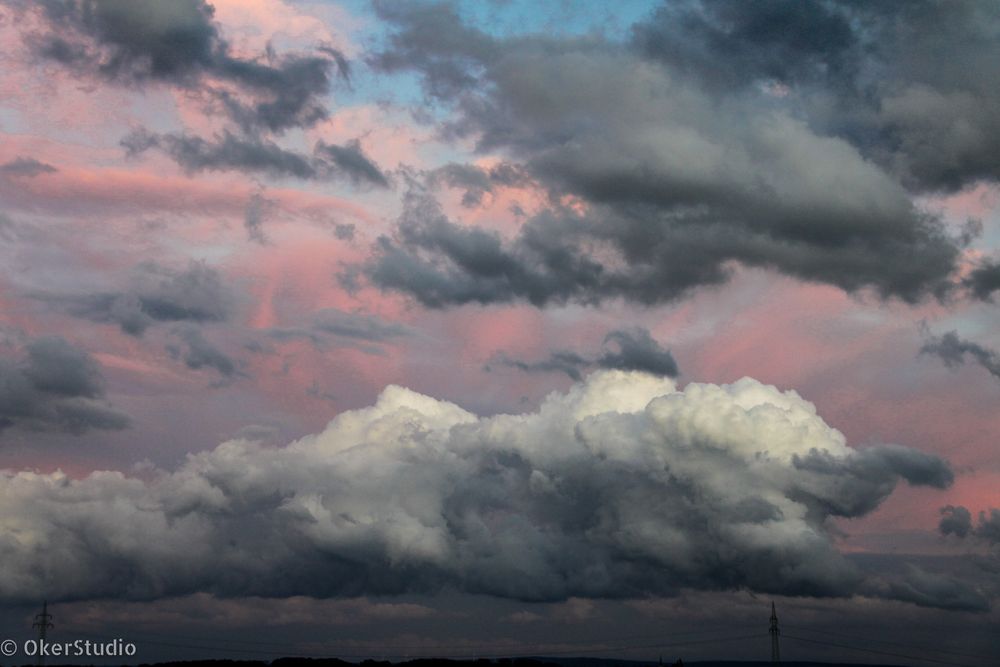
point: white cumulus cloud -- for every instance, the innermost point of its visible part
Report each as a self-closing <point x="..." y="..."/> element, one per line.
<point x="624" y="486"/>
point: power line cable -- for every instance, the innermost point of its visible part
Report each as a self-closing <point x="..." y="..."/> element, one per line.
<point x="889" y="643"/>
<point x="470" y="652"/>
<point x="876" y="651"/>
<point x="381" y="645"/>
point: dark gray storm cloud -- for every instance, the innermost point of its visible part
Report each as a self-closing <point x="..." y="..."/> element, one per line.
<point x="682" y="174"/>
<point x="197" y="353"/>
<point x="477" y="181"/>
<point x="623" y="349"/>
<point x="358" y="325"/>
<point x="26" y="166"/>
<point x="232" y="152"/>
<point x="332" y="326"/>
<point x="55" y="386"/>
<point x="770" y="41"/>
<point x="931" y="589"/>
<point x="957" y="520"/>
<point x="640" y="254"/>
<point x="560" y="361"/>
<point x="636" y="350"/>
<point x="350" y="161"/>
<point x="225" y="152"/>
<point x="954" y="350"/>
<point x="984" y="280"/>
<point x="253" y="218"/>
<point x="344" y="231"/>
<point x="989" y="526"/>
<point x="140" y="41"/>
<point x="154" y="293"/>
<point x="912" y="84"/>
<point x="622" y="487"/>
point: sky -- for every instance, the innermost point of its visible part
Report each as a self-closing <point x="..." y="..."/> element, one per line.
<point x="496" y="328"/>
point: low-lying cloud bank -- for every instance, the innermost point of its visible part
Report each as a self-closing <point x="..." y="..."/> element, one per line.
<point x="624" y="486"/>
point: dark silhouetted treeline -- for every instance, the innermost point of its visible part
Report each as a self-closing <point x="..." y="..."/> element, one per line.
<point x="483" y="662"/>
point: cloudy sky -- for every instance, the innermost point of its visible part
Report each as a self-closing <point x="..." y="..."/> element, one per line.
<point x="502" y="327"/>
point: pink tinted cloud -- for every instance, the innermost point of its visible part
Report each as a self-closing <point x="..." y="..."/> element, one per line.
<point x="295" y="274"/>
<point x="480" y="333"/>
<point x="316" y="381"/>
<point x="73" y="190"/>
<point x="291" y="280"/>
<point x="251" y="25"/>
<point x="461" y="342"/>
<point x="778" y="330"/>
<point x="13" y="315"/>
<point x="496" y="209"/>
<point x="388" y="136"/>
<point x="44" y="98"/>
<point x="978" y="201"/>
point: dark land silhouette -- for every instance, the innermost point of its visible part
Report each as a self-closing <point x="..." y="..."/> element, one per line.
<point x="483" y="662"/>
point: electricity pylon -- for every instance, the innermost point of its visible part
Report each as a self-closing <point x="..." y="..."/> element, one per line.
<point x="774" y="632"/>
<point x="43" y="622"/>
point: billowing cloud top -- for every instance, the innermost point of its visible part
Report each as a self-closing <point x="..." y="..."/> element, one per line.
<point x="624" y="486"/>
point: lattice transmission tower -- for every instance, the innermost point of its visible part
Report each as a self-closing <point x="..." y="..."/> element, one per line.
<point x="43" y="622"/>
<point x="774" y="632"/>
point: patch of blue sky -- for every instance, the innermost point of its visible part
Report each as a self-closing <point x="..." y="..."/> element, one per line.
<point x="500" y="18"/>
<point x="367" y="86"/>
<point x="503" y="18"/>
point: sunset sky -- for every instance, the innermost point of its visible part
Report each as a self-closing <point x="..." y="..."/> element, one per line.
<point x="502" y="327"/>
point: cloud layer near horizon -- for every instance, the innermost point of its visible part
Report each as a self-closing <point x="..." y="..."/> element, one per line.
<point x="624" y="486"/>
